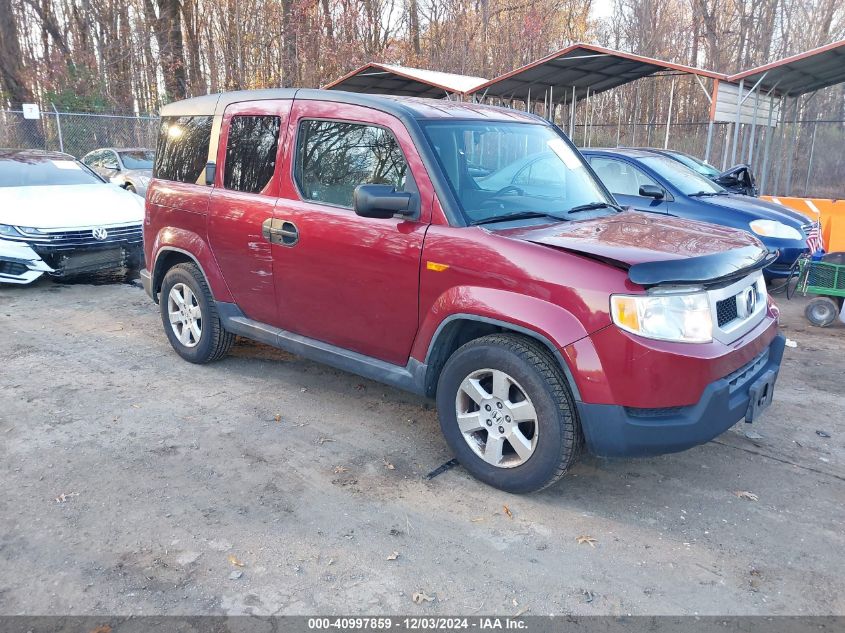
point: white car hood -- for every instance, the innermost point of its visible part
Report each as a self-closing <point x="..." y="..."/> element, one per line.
<point x="68" y="206"/>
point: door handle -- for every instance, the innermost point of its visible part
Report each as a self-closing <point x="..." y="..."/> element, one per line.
<point x="282" y="232"/>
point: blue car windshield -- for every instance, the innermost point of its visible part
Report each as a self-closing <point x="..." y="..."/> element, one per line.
<point x="698" y="165"/>
<point x="689" y="182"/>
<point x="500" y="169"/>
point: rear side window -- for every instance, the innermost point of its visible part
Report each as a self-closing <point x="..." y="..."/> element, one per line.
<point x="332" y="158"/>
<point x="182" y="150"/>
<point x="251" y="152"/>
<point x="620" y="177"/>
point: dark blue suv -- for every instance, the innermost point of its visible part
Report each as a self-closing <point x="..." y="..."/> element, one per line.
<point x="650" y="182"/>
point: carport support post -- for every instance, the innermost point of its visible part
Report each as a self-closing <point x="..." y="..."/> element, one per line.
<point x="59" y="128"/>
<point x="619" y="119"/>
<point x="586" y="115"/>
<point x="712" y="117"/>
<point x="572" y="115"/>
<point x="738" y="120"/>
<point x="769" y="133"/>
<point x="792" y="147"/>
<point x="810" y="160"/>
<point x="634" y="118"/>
<point x="669" y="115"/>
<point x="753" y="128"/>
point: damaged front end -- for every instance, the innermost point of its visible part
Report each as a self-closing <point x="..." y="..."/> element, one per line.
<point x="19" y="264"/>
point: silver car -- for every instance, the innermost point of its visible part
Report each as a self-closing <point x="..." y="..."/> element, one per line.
<point x="130" y="168"/>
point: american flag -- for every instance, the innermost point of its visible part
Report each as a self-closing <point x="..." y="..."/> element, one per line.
<point x="814" y="238"/>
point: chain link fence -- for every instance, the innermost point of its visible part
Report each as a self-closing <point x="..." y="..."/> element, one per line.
<point x="76" y="133"/>
<point x="805" y="159"/>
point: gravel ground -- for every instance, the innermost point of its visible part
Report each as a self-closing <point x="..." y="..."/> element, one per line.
<point x="136" y="483"/>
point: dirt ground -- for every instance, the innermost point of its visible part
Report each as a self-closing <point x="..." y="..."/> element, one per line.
<point x="136" y="483"/>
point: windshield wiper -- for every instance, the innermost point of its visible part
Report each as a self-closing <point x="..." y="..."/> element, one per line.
<point x="521" y="215"/>
<point x="592" y="206"/>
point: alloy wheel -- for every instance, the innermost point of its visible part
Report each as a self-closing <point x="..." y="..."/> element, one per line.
<point x="496" y="418"/>
<point x="185" y="315"/>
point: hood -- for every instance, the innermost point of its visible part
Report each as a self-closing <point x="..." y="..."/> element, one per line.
<point x="68" y="206"/>
<point x="655" y="248"/>
<point x="757" y="209"/>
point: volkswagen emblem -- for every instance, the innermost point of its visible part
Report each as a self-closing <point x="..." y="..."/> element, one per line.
<point x="100" y="233"/>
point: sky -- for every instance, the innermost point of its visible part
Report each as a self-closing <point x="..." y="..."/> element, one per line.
<point x="601" y="9"/>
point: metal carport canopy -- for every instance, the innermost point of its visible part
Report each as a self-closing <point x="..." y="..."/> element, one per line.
<point x="374" y="78"/>
<point x="582" y="67"/>
<point x="797" y="75"/>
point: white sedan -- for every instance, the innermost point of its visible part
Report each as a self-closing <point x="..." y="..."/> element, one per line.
<point x="60" y="218"/>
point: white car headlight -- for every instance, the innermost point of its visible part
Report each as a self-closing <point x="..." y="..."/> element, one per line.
<point x="684" y="318"/>
<point x="773" y="228"/>
<point x="8" y="231"/>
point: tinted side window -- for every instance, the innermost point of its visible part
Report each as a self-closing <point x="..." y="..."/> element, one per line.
<point x="333" y="158"/>
<point x="251" y="152"/>
<point x="182" y="150"/>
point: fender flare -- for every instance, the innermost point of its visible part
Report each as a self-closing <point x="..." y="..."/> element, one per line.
<point x="194" y="247"/>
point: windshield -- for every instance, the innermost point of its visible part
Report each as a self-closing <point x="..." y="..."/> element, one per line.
<point x="502" y="169"/>
<point x="698" y="165"/>
<point x="689" y="182"/>
<point x="138" y="159"/>
<point x="37" y="172"/>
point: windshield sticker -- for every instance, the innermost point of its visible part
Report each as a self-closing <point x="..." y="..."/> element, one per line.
<point x="65" y="164"/>
<point x="564" y="153"/>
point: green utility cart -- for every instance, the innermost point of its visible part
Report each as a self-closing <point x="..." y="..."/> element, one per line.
<point x="825" y="278"/>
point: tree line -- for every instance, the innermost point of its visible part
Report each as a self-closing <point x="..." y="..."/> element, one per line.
<point x="129" y="56"/>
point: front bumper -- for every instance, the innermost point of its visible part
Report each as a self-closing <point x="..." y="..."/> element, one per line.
<point x="617" y="431"/>
<point x="785" y="263"/>
<point x="19" y="264"/>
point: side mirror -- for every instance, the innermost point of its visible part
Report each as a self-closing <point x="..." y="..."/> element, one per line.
<point x="210" y="170"/>
<point x="380" y="201"/>
<point x="652" y="191"/>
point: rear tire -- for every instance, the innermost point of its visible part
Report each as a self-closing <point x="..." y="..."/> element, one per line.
<point x="821" y="311"/>
<point x="189" y="315"/>
<point x="518" y="428"/>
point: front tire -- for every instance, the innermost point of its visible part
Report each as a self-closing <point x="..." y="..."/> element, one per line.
<point x="189" y="316"/>
<point x="507" y="414"/>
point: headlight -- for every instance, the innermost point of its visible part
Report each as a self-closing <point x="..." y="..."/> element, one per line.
<point x="773" y="228"/>
<point x="684" y="318"/>
<point x="8" y="231"/>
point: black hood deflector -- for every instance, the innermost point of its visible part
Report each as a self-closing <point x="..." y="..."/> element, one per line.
<point x="705" y="270"/>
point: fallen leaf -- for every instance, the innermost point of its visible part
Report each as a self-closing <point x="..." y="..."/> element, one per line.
<point x="65" y="496"/>
<point x="393" y="556"/>
<point x="340" y="469"/>
<point x="420" y="596"/>
<point x="103" y="628"/>
<point x="388" y="465"/>
<point x="277" y="417"/>
<point x="515" y="603"/>
<point x="477" y="520"/>
<point x="508" y="511"/>
<point x="744" y="494"/>
<point x="233" y="559"/>
<point x="589" y="540"/>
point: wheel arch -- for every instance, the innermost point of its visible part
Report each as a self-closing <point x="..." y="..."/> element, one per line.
<point x="459" y="329"/>
<point x="168" y="257"/>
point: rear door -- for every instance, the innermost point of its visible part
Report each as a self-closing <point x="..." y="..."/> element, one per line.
<point x="243" y="201"/>
<point x="624" y="180"/>
<point x="349" y="281"/>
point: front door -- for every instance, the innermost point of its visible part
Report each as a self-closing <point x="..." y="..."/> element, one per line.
<point x="243" y="202"/>
<point x="624" y="181"/>
<point x="340" y="278"/>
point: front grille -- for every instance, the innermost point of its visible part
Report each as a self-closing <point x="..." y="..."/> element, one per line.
<point x="70" y="239"/>
<point x="738" y="378"/>
<point x="726" y="311"/>
<point x="12" y="268"/>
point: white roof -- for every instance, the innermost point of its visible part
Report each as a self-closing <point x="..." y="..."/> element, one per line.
<point x="404" y="81"/>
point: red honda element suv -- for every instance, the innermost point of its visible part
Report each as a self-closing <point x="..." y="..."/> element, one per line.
<point x="463" y="252"/>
